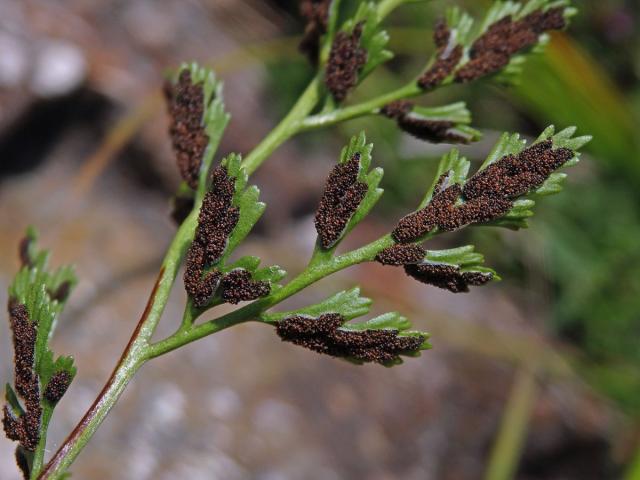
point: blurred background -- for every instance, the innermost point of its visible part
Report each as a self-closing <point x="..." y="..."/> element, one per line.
<point x="536" y="377"/>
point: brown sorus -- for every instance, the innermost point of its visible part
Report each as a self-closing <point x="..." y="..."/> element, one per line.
<point x="434" y="131"/>
<point x="417" y="224"/>
<point x="447" y="58"/>
<point x="448" y="277"/>
<point x="323" y="335"/>
<point x="216" y="221"/>
<point x="486" y="196"/>
<point x="515" y="175"/>
<point x="493" y="50"/>
<point x="346" y="59"/>
<point x="57" y="386"/>
<point x="217" y="217"/>
<point x="238" y="286"/>
<point x="401" y="255"/>
<point x="342" y="195"/>
<point x="316" y="13"/>
<point x="185" y="102"/>
<point x="200" y="288"/>
<point x="25" y="428"/>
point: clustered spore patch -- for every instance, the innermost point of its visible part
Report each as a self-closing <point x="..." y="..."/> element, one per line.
<point x="401" y="255"/>
<point x="200" y="286"/>
<point x="447" y="58"/>
<point x="57" y="386"/>
<point x="448" y="277"/>
<point x="516" y="175"/>
<point x="493" y="50"/>
<point x="185" y="102"/>
<point x="217" y="217"/>
<point x="346" y="59"/>
<point x="216" y="221"/>
<point x="316" y="13"/>
<point x="24" y="428"/>
<point x="237" y="286"/>
<point x="486" y="196"/>
<point x="342" y="195"/>
<point x="323" y="335"/>
<point x="434" y="131"/>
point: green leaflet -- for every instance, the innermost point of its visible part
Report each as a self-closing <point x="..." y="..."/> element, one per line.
<point x="44" y="294"/>
<point x="347" y="303"/>
<point x="374" y="40"/>
<point x="34" y="286"/>
<point x="522" y="209"/>
<point x="451" y="162"/>
<point x="350" y="305"/>
<point x="246" y="200"/>
<point x="391" y="321"/>
<point x="466" y="258"/>
<point x="358" y="144"/>
<point x="215" y="120"/>
<point x="512" y="144"/>
<point x="462" y="26"/>
<point x="456" y="113"/>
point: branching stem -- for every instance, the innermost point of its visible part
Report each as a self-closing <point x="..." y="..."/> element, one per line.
<point x="139" y="348"/>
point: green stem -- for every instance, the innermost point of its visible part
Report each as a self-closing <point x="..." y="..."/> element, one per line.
<point x="138" y="349"/>
<point x="132" y="358"/>
<point x="285" y="129"/>
<point x="38" y="455"/>
<point x="310" y="275"/>
<point x="369" y="107"/>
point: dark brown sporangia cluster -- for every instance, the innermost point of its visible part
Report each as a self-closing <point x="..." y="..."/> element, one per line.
<point x="515" y="175"/>
<point x="323" y="335"/>
<point x="447" y="58"/>
<point x="185" y="102"/>
<point x="237" y="286"/>
<point x="449" y="277"/>
<point x="400" y="254"/>
<point x="486" y="196"/>
<point x="316" y="13"/>
<point x="217" y="219"/>
<point x="57" y="386"/>
<point x="346" y="59"/>
<point x="341" y="198"/>
<point x="434" y="131"/>
<point x="493" y="50"/>
<point x="24" y="428"/>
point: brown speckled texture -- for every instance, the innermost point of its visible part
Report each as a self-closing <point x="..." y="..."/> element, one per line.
<point x="341" y="198"/>
<point x="448" y="277"/>
<point x="185" y="102"/>
<point x="493" y="50"/>
<point x="346" y="59"/>
<point x="323" y="335"/>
